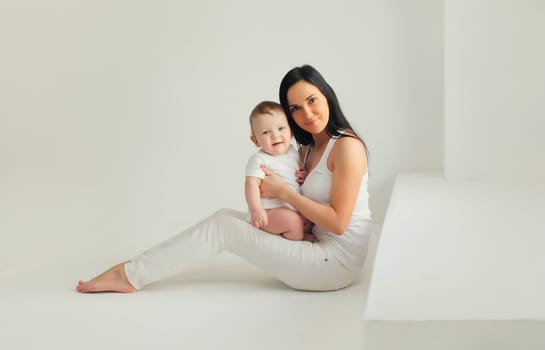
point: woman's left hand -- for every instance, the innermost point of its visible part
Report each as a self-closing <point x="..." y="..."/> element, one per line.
<point x="272" y="185"/>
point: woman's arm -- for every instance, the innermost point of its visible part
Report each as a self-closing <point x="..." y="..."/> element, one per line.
<point x="348" y="163"/>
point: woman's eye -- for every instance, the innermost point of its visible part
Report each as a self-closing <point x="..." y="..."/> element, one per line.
<point x="312" y="100"/>
<point x="293" y="109"/>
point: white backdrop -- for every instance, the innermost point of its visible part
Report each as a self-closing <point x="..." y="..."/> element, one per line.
<point x="128" y="119"/>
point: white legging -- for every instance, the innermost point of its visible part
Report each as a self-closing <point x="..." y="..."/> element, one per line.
<point x="299" y="264"/>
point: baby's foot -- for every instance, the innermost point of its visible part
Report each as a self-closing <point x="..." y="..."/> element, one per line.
<point x="309" y="237"/>
<point x="112" y="280"/>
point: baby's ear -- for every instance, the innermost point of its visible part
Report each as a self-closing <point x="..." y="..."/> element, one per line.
<point x="254" y="141"/>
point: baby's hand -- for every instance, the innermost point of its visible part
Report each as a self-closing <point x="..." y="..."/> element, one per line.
<point x="300" y="176"/>
<point x="259" y="218"/>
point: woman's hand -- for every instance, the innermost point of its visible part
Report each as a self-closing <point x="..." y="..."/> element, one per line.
<point x="300" y="176"/>
<point x="272" y="185"/>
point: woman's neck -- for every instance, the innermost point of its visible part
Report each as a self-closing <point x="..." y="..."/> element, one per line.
<point x="321" y="139"/>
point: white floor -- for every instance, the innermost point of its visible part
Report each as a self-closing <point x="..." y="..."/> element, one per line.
<point x="227" y="304"/>
<point x="422" y="295"/>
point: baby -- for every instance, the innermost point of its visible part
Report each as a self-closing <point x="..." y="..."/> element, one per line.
<point x="271" y="132"/>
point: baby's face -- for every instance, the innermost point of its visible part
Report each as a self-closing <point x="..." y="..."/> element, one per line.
<point x="272" y="133"/>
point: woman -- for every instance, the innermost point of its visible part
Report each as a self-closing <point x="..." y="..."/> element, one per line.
<point x="333" y="196"/>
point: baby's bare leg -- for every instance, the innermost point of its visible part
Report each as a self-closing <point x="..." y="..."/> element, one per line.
<point x="285" y="222"/>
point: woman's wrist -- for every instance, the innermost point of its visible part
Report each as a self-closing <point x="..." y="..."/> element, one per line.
<point x="287" y="194"/>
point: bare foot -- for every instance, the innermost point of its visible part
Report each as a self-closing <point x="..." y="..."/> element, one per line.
<point x="309" y="237"/>
<point x="112" y="280"/>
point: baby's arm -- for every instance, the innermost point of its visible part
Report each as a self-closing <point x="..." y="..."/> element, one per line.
<point x="253" y="199"/>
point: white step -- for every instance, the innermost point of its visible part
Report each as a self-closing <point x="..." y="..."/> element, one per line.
<point x="459" y="265"/>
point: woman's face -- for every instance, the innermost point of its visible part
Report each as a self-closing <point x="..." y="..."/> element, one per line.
<point x="308" y="107"/>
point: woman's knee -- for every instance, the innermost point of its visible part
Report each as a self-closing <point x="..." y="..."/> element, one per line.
<point x="227" y="219"/>
<point x="227" y="212"/>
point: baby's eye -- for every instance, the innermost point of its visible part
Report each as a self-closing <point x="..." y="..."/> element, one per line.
<point x="265" y="132"/>
<point x="281" y="128"/>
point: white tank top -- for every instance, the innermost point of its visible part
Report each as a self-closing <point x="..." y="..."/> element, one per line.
<point x="350" y="247"/>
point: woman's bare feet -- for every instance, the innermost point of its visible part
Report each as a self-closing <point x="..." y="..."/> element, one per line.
<point x="112" y="280"/>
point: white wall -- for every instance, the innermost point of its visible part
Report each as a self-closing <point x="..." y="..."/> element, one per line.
<point x="130" y="118"/>
<point x="404" y="123"/>
<point x="495" y="90"/>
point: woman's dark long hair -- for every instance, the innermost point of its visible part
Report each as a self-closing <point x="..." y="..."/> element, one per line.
<point x="337" y="121"/>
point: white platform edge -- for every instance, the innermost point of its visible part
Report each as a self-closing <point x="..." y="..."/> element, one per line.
<point x="437" y="333"/>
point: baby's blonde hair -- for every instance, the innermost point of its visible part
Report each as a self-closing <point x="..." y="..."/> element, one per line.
<point x="265" y="107"/>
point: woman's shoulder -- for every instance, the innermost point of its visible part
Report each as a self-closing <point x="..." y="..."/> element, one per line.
<point x="349" y="149"/>
<point x="349" y="141"/>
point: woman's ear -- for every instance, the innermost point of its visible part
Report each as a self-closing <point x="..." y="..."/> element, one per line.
<point x="254" y="140"/>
